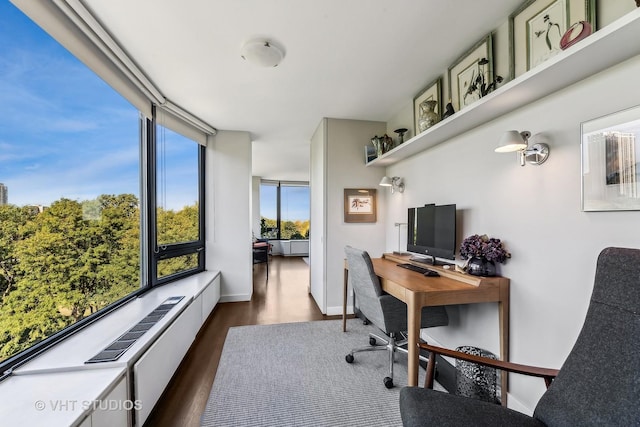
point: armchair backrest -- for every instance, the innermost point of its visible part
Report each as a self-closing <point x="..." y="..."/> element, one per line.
<point x="365" y="285"/>
<point x="599" y="383"/>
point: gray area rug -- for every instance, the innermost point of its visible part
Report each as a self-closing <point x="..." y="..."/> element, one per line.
<point x="295" y="374"/>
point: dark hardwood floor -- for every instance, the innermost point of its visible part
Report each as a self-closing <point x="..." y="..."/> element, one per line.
<point x="283" y="299"/>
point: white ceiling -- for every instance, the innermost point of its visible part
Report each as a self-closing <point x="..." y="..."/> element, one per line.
<point x="352" y="59"/>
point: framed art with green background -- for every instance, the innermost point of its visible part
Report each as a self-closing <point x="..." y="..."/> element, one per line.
<point x="537" y="27"/>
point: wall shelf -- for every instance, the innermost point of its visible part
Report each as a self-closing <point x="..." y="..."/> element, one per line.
<point x="605" y="48"/>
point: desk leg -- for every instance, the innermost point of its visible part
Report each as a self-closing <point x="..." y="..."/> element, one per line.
<point x="344" y="300"/>
<point x="503" y="313"/>
<point x="414" y="315"/>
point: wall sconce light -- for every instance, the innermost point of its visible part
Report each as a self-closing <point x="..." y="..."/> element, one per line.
<point x="394" y="182"/>
<point x="512" y="140"/>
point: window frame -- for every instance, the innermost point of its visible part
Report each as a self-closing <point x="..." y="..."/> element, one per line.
<point x="279" y="185"/>
<point x="55" y="22"/>
<point x="157" y="252"/>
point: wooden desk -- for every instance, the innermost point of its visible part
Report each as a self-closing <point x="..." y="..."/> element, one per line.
<point x="450" y="288"/>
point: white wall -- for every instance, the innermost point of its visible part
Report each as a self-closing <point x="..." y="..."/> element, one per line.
<point x="337" y="162"/>
<point x="317" y="215"/>
<point x="536" y="210"/>
<point x="229" y="192"/>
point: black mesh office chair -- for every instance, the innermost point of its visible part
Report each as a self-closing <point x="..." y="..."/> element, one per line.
<point x="598" y="385"/>
<point x="384" y="311"/>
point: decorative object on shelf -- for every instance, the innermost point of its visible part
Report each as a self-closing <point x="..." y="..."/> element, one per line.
<point x="394" y="182"/>
<point x="430" y="93"/>
<point x="369" y="153"/>
<point x="382" y="144"/>
<point x="610" y="169"/>
<point x="387" y="143"/>
<point x="400" y="133"/>
<point x="448" y="110"/>
<point x="360" y="205"/>
<point x="538" y="26"/>
<point x="513" y="141"/>
<point x="464" y="72"/>
<point x="574" y="34"/>
<point x="481" y="253"/>
<point x="427" y="116"/>
<point x="479" y="87"/>
<point x="378" y="143"/>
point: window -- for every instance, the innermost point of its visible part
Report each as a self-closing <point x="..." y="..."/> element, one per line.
<point x="178" y="247"/>
<point x="70" y="164"/>
<point x="98" y="202"/>
<point x="284" y="210"/>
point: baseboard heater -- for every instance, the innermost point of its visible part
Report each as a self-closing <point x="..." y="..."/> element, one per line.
<point x="117" y="348"/>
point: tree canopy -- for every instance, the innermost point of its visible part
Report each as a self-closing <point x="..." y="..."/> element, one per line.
<point x="72" y="259"/>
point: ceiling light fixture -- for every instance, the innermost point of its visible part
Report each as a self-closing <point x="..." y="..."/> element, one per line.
<point x="262" y="52"/>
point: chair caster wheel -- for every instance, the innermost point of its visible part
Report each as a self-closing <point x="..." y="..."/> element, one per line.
<point x="372" y="341"/>
<point x="388" y="382"/>
<point x="349" y="358"/>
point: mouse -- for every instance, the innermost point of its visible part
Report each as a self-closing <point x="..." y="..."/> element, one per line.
<point x="431" y="273"/>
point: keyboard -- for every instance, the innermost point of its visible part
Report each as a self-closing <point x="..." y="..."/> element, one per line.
<point x="419" y="269"/>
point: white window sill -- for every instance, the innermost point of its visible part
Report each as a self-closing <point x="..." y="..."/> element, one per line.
<point x="53" y="388"/>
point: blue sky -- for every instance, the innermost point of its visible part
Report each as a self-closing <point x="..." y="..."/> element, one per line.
<point x="294" y="203"/>
<point x="66" y="133"/>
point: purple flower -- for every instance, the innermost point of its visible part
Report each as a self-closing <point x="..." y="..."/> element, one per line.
<point x="482" y="246"/>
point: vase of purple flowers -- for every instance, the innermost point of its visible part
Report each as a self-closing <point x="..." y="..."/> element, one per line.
<point x="482" y="253"/>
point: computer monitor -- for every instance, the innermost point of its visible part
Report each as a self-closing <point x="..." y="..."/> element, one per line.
<point x="431" y="232"/>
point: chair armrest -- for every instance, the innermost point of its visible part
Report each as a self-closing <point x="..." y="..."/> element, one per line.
<point x="546" y="373"/>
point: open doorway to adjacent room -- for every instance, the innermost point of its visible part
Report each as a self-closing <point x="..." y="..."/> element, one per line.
<point x="283" y="221"/>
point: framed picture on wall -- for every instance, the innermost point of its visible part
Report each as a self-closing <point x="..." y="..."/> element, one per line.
<point x="432" y="92"/>
<point x="360" y="205"/>
<point x="611" y="162"/>
<point x="464" y="72"/>
<point x="537" y="27"/>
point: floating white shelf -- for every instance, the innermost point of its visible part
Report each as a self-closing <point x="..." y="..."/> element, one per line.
<point x="605" y="48"/>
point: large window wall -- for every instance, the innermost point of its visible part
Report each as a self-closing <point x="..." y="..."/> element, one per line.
<point x="284" y="210"/>
<point x="103" y="202"/>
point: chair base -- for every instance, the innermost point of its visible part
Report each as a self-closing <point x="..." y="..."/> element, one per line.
<point x="390" y="344"/>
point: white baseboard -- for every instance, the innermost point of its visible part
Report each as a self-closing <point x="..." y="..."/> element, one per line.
<point x="516" y="405"/>
<point x="235" y="298"/>
<point x="337" y="310"/>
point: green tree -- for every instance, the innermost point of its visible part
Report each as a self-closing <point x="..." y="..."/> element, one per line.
<point x="70" y="265"/>
<point x="12" y="221"/>
<point x="178" y="227"/>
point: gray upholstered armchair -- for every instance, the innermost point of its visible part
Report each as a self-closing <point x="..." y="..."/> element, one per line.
<point x="384" y="311"/>
<point x="599" y="383"/>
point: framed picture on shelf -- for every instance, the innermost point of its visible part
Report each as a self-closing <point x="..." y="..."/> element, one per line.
<point x="360" y="205"/>
<point x="369" y="153"/>
<point x="466" y="70"/>
<point x="537" y="27"/>
<point x="433" y="92"/>
<point x="611" y="162"/>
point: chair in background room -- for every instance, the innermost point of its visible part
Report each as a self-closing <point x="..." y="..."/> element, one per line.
<point x="384" y="311"/>
<point x="598" y="384"/>
<point x="261" y="251"/>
